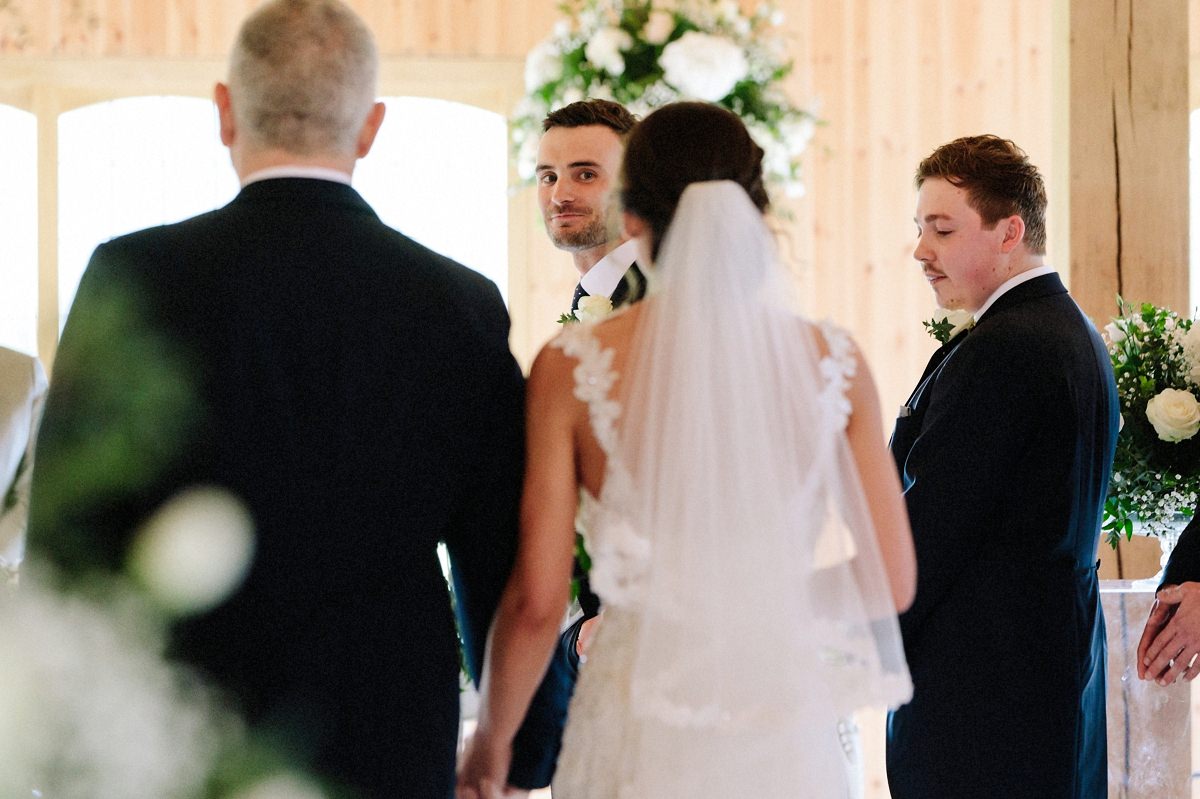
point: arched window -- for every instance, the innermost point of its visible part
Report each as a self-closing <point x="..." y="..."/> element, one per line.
<point x="129" y="164"/>
<point x="438" y="172"/>
<point x="19" y="230"/>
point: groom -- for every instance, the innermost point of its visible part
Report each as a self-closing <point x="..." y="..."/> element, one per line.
<point x="1004" y="450"/>
<point x="578" y="167"/>
<point x="353" y="389"/>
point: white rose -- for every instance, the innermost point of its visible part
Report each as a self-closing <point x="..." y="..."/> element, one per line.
<point x="1175" y="414"/>
<point x="702" y="66"/>
<point x="593" y="309"/>
<point x="542" y="65"/>
<point x="605" y="47"/>
<point x="1115" y="334"/>
<point x="195" y="550"/>
<point x="959" y="319"/>
<point x="659" y="27"/>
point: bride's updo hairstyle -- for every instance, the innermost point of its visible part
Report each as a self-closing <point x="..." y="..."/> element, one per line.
<point x="685" y="143"/>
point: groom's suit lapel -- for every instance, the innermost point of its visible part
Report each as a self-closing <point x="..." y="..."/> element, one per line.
<point x="1038" y="287"/>
<point x="909" y="423"/>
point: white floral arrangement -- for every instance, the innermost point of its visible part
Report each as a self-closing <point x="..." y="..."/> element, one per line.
<point x="1156" y="473"/>
<point x="647" y="53"/>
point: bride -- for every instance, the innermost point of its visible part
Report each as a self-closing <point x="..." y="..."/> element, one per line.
<point x="745" y="522"/>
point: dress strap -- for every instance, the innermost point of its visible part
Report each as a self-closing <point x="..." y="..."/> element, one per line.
<point x="594" y="378"/>
<point x="837" y="369"/>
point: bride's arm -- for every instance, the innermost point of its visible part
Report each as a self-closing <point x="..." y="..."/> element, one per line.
<point x="881" y="486"/>
<point x="525" y="630"/>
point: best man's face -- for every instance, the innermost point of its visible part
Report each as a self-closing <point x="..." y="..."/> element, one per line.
<point x="576" y="174"/>
<point x="961" y="258"/>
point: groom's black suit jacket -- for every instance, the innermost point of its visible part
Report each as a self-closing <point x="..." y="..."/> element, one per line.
<point x="356" y="391"/>
<point x="1004" y="458"/>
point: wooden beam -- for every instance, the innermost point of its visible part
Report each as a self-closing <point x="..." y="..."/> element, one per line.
<point x="1128" y="139"/>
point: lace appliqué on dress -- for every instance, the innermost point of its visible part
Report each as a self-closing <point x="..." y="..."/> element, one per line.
<point x="838" y="368"/>
<point x="619" y="554"/>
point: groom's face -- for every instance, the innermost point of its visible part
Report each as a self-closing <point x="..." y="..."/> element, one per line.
<point x="960" y="256"/>
<point x="576" y="173"/>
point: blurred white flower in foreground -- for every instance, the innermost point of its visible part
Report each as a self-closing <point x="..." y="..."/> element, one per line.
<point x="195" y="550"/>
<point x="88" y="707"/>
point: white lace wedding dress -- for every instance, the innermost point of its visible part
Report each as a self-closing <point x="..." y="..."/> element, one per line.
<point x="603" y="735"/>
<point x="746" y="604"/>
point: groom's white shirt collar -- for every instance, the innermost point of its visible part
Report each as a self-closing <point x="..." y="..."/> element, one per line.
<point x="296" y="171"/>
<point x="604" y="277"/>
<point x="1010" y="284"/>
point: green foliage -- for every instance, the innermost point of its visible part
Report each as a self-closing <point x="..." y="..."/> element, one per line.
<point x="939" y="329"/>
<point x="122" y="405"/>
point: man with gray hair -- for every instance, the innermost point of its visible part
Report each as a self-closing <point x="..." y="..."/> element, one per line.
<point x="354" y="390"/>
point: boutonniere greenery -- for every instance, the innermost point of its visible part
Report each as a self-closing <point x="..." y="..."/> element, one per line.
<point x="946" y="323"/>
<point x="591" y="309"/>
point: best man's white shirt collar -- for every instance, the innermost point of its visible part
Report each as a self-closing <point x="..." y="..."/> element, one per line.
<point x="297" y="171"/>
<point x="1012" y="283"/>
<point x="604" y="277"/>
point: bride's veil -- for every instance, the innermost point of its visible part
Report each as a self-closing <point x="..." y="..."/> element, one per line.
<point x="765" y="613"/>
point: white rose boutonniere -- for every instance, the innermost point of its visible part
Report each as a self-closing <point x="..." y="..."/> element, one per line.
<point x="948" y="323"/>
<point x="1175" y="414"/>
<point x="591" y="309"/>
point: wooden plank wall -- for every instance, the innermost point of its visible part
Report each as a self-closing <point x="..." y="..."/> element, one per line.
<point x="894" y="78"/>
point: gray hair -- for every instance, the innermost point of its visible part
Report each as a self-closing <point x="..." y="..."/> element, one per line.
<point x="302" y="76"/>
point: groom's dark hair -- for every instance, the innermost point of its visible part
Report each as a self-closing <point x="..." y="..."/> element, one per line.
<point x="592" y="112"/>
<point x="999" y="181"/>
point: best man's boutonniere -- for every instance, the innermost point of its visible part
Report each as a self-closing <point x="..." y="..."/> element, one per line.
<point x="946" y="324"/>
<point x="591" y="309"/>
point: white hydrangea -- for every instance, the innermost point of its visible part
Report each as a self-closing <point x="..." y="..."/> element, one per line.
<point x="604" y="49"/>
<point x="797" y="132"/>
<point x="1191" y="351"/>
<point x="703" y="66"/>
<point x="88" y="706"/>
<point x="542" y="65"/>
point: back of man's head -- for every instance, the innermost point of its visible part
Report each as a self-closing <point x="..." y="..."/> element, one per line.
<point x="302" y="77"/>
<point x="591" y="112"/>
